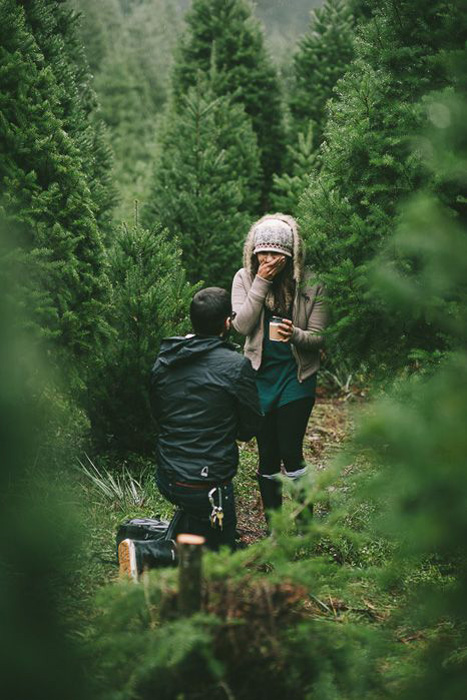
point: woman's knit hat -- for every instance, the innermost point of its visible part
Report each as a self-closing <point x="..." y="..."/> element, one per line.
<point x="273" y="235"/>
<point x="250" y="261"/>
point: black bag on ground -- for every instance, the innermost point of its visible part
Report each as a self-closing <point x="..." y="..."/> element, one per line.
<point x="153" y="539"/>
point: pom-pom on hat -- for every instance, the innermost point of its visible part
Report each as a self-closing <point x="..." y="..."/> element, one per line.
<point x="273" y="235"/>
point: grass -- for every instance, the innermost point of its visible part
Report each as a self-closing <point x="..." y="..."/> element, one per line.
<point x="120" y="488"/>
<point x="101" y="497"/>
<point x="108" y="494"/>
<point x="353" y="593"/>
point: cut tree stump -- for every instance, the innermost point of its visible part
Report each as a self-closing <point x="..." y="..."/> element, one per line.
<point x="190" y="551"/>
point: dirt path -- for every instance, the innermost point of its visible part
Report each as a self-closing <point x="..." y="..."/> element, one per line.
<point x="330" y="424"/>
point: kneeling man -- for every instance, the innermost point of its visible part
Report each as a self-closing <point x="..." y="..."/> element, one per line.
<point x="204" y="398"/>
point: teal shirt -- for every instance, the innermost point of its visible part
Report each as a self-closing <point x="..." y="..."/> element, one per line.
<point x="276" y="379"/>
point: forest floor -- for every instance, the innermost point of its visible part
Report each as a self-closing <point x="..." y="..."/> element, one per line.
<point x="362" y="602"/>
<point x="329" y="427"/>
<point x="103" y="508"/>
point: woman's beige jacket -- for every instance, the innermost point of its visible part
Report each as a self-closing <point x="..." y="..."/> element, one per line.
<point x="309" y="318"/>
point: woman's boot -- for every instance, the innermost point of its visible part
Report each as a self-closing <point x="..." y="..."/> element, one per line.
<point x="270" y="488"/>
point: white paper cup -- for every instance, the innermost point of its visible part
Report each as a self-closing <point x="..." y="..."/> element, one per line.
<point x="274" y="324"/>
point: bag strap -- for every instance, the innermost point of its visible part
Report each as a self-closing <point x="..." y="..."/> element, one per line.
<point x="171" y="530"/>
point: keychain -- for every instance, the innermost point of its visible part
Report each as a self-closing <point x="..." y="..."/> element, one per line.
<point x="217" y="513"/>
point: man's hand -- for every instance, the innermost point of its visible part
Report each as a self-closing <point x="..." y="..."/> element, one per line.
<point x="285" y="330"/>
<point x="268" y="269"/>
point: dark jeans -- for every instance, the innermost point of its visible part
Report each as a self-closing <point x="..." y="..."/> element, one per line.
<point x="197" y="510"/>
<point x="281" y="437"/>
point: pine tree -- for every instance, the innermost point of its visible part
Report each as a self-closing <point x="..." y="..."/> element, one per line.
<point x="129" y="117"/>
<point x="367" y="168"/>
<point x="361" y="9"/>
<point x="153" y="28"/>
<point x="150" y="299"/>
<point x="222" y="36"/>
<point x="46" y="189"/>
<point x="100" y="28"/>
<point x="205" y="187"/>
<point x="288" y="189"/>
<point x="130" y="49"/>
<point x="56" y="31"/>
<point x="40" y="655"/>
<point x="323" y="55"/>
<point x="418" y="437"/>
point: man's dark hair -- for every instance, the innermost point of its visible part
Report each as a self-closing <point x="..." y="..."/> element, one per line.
<point x="209" y="309"/>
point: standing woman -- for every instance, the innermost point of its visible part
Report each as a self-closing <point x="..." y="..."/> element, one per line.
<point x="274" y="287"/>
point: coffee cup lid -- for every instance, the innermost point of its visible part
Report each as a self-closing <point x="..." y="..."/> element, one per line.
<point x="276" y="319"/>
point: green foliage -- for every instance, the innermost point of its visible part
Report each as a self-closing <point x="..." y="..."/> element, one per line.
<point x="140" y="37"/>
<point x="367" y="167"/>
<point x="288" y="189"/>
<point x="149" y="301"/>
<point x="53" y="186"/>
<point x="283" y="618"/>
<point x="130" y="51"/>
<point x="310" y="616"/>
<point x="295" y="616"/>
<point x="261" y="637"/>
<point x="100" y="23"/>
<point x="205" y="186"/>
<point x="123" y="489"/>
<point x="126" y="109"/>
<point x="361" y="9"/>
<point x="174" y="658"/>
<point x="225" y="43"/>
<point x="56" y="31"/>
<point x="323" y="56"/>
<point x="417" y="436"/>
<point x="38" y="658"/>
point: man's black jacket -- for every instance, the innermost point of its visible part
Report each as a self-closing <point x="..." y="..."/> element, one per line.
<point x="204" y="397"/>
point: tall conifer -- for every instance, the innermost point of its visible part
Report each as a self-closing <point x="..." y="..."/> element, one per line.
<point x="56" y="31"/>
<point x="323" y="55"/>
<point x="46" y="171"/>
<point x="289" y="187"/>
<point x="130" y="48"/>
<point x="368" y="168"/>
<point x="223" y="36"/>
<point x="149" y="300"/>
<point x="205" y="188"/>
<point x="361" y="9"/>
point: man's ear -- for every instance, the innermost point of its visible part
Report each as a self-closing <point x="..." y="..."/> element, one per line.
<point x="228" y="323"/>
